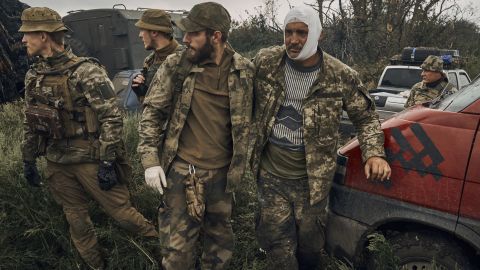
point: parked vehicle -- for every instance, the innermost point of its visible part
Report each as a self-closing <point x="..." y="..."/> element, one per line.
<point x="429" y="209"/>
<point x="110" y="35"/>
<point x="397" y="79"/>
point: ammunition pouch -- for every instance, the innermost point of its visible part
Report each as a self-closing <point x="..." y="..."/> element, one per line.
<point x="45" y="121"/>
<point x="195" y="197"/>
<point x="53" y="112"/>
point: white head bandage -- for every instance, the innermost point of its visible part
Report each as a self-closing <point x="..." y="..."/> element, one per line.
<point x="308" y="16"/>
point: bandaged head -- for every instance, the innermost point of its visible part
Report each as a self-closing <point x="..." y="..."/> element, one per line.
<point x="308" y="16"/>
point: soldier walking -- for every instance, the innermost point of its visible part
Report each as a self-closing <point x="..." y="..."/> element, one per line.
<point x="203" y="97"/>
<point x="156" y="32"/>
<point x="434" y="85"/>
<point x="300" y="92"/>
<point x="71" y="118"/>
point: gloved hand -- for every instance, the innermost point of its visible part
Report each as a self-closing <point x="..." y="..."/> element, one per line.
<point x="107" y="177"/>
<point x="155" y="178"/>
<point x="31" y="173"/>
<point x="138" y="84"/>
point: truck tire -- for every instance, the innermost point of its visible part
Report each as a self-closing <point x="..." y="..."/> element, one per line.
<point x="77" y="46"/>
<point x="418" y="249"/>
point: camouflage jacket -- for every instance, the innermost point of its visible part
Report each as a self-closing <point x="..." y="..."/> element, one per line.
<point x="89" y="86"/>
<point x="155" y="150"/>
<point x="421" y="93"/>
<point x="337" y="87"/>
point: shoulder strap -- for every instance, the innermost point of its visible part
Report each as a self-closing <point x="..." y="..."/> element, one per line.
<point x="181" y="72"/>
<point x="75" y="62"/>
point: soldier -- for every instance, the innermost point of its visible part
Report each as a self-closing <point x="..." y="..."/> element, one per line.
<point x="72" y="118"/>
<point x="300" y="92"/>
<point x="204" y="94"/>
<point x="156" y="32"/>
<point x="434" y="85"/>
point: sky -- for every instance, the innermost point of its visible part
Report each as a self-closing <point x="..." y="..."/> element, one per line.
<point x="237" y="8"/>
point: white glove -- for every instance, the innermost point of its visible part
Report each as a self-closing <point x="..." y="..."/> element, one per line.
<point x="155" y="178"/>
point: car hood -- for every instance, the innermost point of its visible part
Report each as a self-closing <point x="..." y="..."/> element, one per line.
<point x="389" y="89"/>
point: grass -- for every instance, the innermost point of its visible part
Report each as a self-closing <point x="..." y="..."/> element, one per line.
<point x="34" y="233"/>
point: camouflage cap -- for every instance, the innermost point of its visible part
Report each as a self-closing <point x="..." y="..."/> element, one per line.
<point x="433" y="63"/>
<point x="208" y="15"/>
<point x="155" y="20"/>
<point x="41" y="19"/>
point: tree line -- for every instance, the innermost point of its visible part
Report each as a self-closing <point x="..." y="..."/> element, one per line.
<point x="367" y="33"/>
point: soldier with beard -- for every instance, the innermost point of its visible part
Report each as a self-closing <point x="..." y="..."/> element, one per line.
<point x="156" y="32"/>
<point x="194" y="128"/>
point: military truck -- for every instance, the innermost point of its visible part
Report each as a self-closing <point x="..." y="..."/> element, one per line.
<point x="110" y="35"/>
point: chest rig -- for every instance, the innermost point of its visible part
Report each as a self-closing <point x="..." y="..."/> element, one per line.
<point x="56" y="109"/>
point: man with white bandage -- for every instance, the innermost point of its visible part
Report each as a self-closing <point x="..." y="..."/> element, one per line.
<point x="300" y="92"/>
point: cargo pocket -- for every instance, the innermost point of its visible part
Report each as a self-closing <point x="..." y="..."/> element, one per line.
<point x="164" y="213"/>
<point x="53" y="187"/>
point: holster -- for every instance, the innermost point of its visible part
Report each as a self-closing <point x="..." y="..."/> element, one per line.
<point x="195" y="196"/>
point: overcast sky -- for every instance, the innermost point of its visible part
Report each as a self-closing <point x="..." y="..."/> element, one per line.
<point x="237" y="8"/>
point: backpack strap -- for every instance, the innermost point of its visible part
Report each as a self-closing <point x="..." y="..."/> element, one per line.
<point x="181" y="72"/>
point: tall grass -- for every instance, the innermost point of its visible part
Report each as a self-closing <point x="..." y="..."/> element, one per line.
<point x="34" y="233"/>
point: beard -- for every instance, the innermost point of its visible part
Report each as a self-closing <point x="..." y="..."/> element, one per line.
<point x="197" y="56"/>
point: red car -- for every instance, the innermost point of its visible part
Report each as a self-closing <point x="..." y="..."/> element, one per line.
<point x="429" y="210"/>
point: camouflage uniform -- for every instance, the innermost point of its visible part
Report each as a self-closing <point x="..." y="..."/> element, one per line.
<point x="80" y="91"/>
<point x="423" y="92"/>
<point x="158" y="147"/>
<point x="155" y="20"/>
<point x="291" y="220"/>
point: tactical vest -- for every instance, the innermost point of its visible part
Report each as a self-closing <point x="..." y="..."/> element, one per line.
<point x="57" y="110"/>
<point x="149" y="73"/>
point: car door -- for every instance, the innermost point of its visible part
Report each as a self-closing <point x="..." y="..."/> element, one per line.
<point x="469" y="214"/>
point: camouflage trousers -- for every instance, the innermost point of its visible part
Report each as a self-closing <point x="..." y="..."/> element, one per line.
<point x="179" y="232"/>
<point x="73" y="187"/>
<point x="288" y="228"/>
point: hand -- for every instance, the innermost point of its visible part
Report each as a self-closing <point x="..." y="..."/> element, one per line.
<point x="155" y="178"/>
<point x="377" y="168"/>
<point x="139" y="79"/>
<point x="107" y="177"/>
<point x="31" y="173"/>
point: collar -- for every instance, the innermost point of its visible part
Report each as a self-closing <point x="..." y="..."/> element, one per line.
<point x="162" y="53"/>
<point x="59" y="59"/>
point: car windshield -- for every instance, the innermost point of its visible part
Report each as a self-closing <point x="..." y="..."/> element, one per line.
<point x="461" y="99"/>
<point x="401" y="77"/>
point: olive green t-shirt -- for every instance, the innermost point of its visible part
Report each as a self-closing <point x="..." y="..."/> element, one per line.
<point x="284" y="163"/>
<point x="206" y="138"/>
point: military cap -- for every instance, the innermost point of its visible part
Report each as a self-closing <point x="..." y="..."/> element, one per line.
<point x="433" y="63"/>
<point x="155" y="20"/>
<point x="208" y="15"/>
<point x="41" y="19"/>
